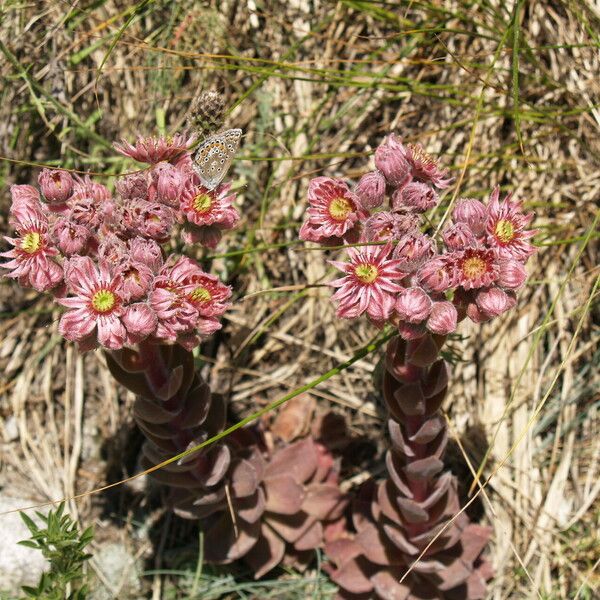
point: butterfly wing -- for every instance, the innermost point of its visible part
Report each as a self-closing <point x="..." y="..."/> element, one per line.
<point x="215" y="155"/>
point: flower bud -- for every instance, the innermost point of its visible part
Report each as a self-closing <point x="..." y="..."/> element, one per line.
<point x="147" y="252"/>
<point x="511" y="274"/>
<point x="493" y="301"/>
<point x="458" y="236"/>
<point x="71" y="238"/>
<point x="371" y="190"/>
<point x="413" y="305"/>
<point x="391" y="161"/>
<point x="383" y="226"/>
<point x="415" y="196"/>
<point x="169" y="183"/>
<point x="140" y="321"/>
<point x="438" y="274"/>
<point x="443" y="318"/>
<point x="132" y="187"/>
<point x="56" y="186"/>
<point x="472" y="212"/>
<point x="413" y="250"/>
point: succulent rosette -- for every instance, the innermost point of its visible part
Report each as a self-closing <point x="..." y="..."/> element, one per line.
<point x="408" y="539"/>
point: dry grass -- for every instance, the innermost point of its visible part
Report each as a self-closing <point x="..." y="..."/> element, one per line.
<point x="505" y="94"/>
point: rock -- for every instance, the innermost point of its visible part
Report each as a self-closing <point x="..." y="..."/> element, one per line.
<point x="119" y="569"/>
<point x="18" y="565"/>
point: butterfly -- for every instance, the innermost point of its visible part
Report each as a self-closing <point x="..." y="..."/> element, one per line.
<point x="214" y="156"/>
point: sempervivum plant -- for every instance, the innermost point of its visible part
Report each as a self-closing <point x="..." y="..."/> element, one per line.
<point x="105" y="258"/>
<point x="409" y="539"/>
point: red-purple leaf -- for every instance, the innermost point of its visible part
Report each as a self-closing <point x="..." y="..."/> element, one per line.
<point x="299" y="460"/>
<point x="243" y="479"/>
<point x="388" y="587"/>
<point x="312" y="538"/>
<point x="283" y="495"/>
<point x="324" y="501"/>
<point x="250" y="508"/>
<point x="224" y="543"/>
<point x="266" y="553"/>
<point x="377" y="547"/>
<point x="352" y="577"/>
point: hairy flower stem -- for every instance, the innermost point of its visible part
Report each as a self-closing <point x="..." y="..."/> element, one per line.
<point x="411" y="540"/>
<point x="155" y="369"/>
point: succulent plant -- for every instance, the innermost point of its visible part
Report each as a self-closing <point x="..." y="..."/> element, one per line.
<point x="265" y="506"/>
<point x="414" y="510"/>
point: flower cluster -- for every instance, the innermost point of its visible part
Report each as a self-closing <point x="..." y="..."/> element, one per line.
<point x="102" y="257"/>
<point x="409" y="278"/>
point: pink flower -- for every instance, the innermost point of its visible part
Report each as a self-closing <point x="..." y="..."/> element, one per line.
<point x="208" y="294"/>
<point x="384" y="226"/>
<point x="507" y="228"/>
<point x="204" y="207"/>
<point x="169" y="184"/>
<point x="24" y="195"/>
<point x="56" y="186"/>
<point x="96" y="305"/>
<point x="413" y="305"/>
<point x="182" y="305"/>
<point x="153" y="150"/>
<point x="71" y="238"/>
<point x="425" y="168"/>
<point x="334" y="211"/>
<point x="438" y="274"/>
<point x="371" y="190"/>
<point x="31" y="261"/>
<point x="443" y="318"/>
<point x="472" y="213"/>
<point x="390" y="159"/>
<point x="458" y="236"/>
<point x="413" y="250"/>
<point x="476" y="268"/>
<point x="368" y="284"/>
<point x="415" y="196"/>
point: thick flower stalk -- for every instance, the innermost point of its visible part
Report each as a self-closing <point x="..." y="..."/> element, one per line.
<point x="408" y="539"/>
<point x="411" y="522"/>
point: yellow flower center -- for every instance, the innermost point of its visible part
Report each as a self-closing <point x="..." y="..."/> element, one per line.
<point x="103" y="301"/>
<point x="366" y="273"/>
<point x="473" y="267"/>
<point x="200" y="294"/>
<point x="31" y="242"/>
<point x="504" y="230"/>
<point x="202" y="203"/>
<point x="340" y="208"/>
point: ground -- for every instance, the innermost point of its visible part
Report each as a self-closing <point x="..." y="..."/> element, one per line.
<point x="504" y="94"/>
